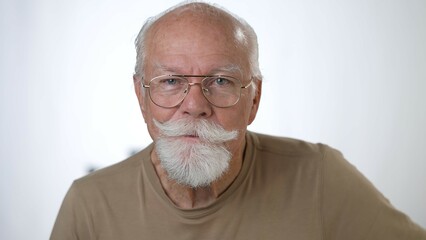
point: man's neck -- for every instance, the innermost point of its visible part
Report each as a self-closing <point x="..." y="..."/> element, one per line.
<point x="187" y="197"/>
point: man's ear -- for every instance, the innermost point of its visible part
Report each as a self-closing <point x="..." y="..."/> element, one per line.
<point x="256" y="100"/>
<point x="137" y="82"/>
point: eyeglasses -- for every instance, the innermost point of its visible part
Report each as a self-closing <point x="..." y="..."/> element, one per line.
<point x="170" y="90"/>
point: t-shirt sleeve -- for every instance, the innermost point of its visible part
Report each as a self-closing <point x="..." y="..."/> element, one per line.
<point x="73" y="220"/>
<point x="354" y="209"/>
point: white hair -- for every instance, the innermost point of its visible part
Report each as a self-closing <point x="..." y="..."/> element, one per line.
<point x="244" y="34"/>
<point x="194" y="164"/>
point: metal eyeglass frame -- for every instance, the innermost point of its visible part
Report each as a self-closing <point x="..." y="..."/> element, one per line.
<point x="203" y="90"/>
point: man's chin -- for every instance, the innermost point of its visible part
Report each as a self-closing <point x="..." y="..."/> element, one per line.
<point x="195" y="186"/>
<point x="190" y="161"/>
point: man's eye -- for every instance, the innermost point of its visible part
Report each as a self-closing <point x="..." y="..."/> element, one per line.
<point x="221" y="81"/>
<point x="170" y="81"/>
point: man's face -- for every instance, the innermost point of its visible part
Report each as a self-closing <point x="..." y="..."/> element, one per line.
<point x="193" y="46"/>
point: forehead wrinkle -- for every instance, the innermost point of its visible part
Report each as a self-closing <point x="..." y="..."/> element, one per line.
<point x="164" y="68"/>
<point x="228" y="69"/>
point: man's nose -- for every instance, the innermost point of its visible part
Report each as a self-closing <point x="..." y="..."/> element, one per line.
<point x="195" y="103"/>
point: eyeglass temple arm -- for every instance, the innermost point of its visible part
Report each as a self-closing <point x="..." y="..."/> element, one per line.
<point x="248" y="85"/>
<point x="142" y="84"/>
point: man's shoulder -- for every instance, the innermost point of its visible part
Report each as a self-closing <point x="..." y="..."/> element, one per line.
<point x="116" y="173"/>
<point x="286" y="146"/>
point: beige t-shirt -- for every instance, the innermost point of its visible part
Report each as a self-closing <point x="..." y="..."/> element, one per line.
<point x="287" y="189"/>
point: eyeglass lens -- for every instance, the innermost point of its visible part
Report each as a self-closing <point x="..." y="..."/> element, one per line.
<point x="169" y="91"/>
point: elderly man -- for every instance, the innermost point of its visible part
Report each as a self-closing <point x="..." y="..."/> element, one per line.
<point x="205" y="176"/>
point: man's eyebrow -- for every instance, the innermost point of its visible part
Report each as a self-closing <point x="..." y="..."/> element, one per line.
<point x="163" y="68"/>
<point x="231" y="68"/>
<point x="226" y="69"/>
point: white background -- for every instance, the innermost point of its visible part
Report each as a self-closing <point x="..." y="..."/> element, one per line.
<point x="351" y="74"/>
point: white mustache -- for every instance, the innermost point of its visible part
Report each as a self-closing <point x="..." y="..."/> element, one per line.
<point x="205" y="130"/>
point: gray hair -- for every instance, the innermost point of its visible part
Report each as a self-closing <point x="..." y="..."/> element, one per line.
<point x="245" y="36"/>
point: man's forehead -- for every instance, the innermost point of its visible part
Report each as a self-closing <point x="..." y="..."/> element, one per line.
<point x="197" y="11"/>
<point x="190" y="20"/>
<point x="185" y="41"/>
<point x="230" y="68"/>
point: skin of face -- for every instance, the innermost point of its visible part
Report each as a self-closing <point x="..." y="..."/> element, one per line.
<point x="189" y="44"/>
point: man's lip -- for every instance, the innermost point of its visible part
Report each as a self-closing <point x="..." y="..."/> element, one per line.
<point x="190" y="136"/>
<point x="186" y="136"/>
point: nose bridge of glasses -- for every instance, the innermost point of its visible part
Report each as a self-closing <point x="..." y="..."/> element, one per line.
<point x="190" y="84"/>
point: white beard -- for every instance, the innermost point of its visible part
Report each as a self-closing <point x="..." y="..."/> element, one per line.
<point x="194" y="164"/>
